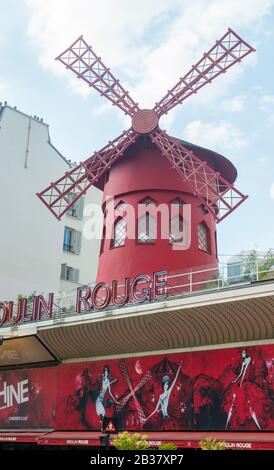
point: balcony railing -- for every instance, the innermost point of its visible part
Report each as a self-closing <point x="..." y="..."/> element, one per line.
<point x="178" y="284"/>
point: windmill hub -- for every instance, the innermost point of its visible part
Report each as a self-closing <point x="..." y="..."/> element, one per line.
<point x="144" y="121"/>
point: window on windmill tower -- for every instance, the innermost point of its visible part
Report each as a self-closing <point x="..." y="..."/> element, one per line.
<point x="146" y="222"/>
<point x="119" y="233"/>
<point x="176" y="229"/>
<point x="147" y="201"/>
<point x="203" y="237"/>
<point x="121" y="206"/>
<point x="176" y="224"/>
<point x="146" y="229"/>
<point x="177" y="202"/>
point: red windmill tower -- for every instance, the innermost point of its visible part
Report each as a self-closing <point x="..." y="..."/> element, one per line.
<point x="145" y="166"/>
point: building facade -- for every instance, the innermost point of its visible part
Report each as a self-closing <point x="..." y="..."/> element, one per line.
<point x="28" y="231"/>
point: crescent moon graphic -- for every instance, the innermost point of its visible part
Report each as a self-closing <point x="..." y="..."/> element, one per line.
<point x="138" y="367"/>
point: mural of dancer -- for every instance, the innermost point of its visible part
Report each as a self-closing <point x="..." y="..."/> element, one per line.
<point x="106" y="387"/>
<point x="163" y="401"/>
<point x="242" y="393"/>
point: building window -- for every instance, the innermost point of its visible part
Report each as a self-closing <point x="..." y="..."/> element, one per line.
<point x="119" y="233"/>
<point x="203" y="237"/>
<point x="103" y="241"/>
<point x="146" y="229"/>
<point x="176" y="230"/>
<point x="147" y="201"/>
<point x="76" y="210"/>
<point x="69" y="274"/>
<point x="120" y="208"/>
<point x="72" y="240"/>
<point x="177" y="202"/>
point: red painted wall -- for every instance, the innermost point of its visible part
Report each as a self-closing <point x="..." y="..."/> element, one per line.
<point x="143" y="172"/>
<point x="203" y="391"/>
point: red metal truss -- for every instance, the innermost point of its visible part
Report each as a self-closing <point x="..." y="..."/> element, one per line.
<point x="229" y="50"/>
<point x="82" y="60"/>
<point x="63" y="193"/>
<point x="218" y="195"/>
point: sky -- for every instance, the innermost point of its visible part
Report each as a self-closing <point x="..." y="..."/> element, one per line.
<point x="148" y="45"/>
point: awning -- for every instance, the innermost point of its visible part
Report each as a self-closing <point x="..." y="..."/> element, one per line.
<point x="20" y="436"/>
<point x="234" y="440"/>
<point x="60" y="438"/>
<point x="188" y="440"/>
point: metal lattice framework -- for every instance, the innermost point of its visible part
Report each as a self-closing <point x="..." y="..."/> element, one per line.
<point x="218" y="195"/>
<point x="66" y="191"/>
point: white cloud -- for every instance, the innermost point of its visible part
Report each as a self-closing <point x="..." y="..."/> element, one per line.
<point x="149" y="43"/>
<point x="4" y="90"/>
<point x="235" y="104"/>
<point x="272" y="191"/>
<point x="219" y="136"/>
<point x="267" y="103"/>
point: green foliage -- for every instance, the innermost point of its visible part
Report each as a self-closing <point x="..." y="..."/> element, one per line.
<point x="126" y="441"/>
<point x="265" y="266"/>
<point x="167" y="446"/>
<point x="212" y="444"/>
<point x="29" y="298"/>
<point x="254" y="263"/>
<point x="214" y="282"/>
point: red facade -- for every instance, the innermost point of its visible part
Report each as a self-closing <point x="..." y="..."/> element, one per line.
<point x="221" y="389"/>
<point x="144" y="173"/>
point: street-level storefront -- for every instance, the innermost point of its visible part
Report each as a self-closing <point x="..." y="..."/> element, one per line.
<point x="178" y="370"/>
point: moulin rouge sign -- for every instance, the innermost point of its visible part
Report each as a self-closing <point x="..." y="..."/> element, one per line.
<point x="88" y="298"/>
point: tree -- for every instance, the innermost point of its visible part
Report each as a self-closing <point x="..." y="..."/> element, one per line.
<point x="255" y="264"/>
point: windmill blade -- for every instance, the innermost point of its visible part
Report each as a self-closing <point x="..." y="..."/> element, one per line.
<point x="63" y="193"/>
<point x="218" y="195"/>
<point x="82" y="60"/>
<point x="229" y="50"/>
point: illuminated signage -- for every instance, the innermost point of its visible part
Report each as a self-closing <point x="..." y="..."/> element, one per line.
<point x="141" y="289"/>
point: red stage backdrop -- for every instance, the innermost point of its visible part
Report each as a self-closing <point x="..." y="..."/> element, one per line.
<point x="215" y="390"/>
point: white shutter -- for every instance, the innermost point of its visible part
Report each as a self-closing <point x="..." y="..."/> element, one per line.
<point x="76" y="275"/>
<point x="63" y="271"/>
<point x="78" y="236"/>
<point x="80" y="208"/>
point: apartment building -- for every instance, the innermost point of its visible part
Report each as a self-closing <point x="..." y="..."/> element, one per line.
<point x="38" y="253"/>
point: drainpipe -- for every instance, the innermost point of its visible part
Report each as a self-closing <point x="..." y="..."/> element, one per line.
<point x="27" y="147"/>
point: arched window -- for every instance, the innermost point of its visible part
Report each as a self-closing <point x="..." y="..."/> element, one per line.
<point x="121" y="206"/>
<point x="103" y="240"/>
<point x="176" y="229"/>
<point x="146" y="229"/>
<point x="147" y="201"/>
<point x="147" y="223"/>
<point x="176" y="223"/>
<point x="178" y="202"/>
<point x="203" y="237"/>
<point x="119" y="233"/>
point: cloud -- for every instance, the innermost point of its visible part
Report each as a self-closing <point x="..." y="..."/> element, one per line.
<point x="267" y="103"/>
<point x="4" y="90"/>
<point x="147" y="44"/>
<point x="219" y="136"/>
<point x="272" y="191"/>
<point x="235" y="104"/>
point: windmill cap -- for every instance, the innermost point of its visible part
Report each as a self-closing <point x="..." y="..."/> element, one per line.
<point x="221" y="164"/>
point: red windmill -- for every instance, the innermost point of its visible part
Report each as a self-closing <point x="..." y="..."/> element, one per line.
<point x="133" y="170"/>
